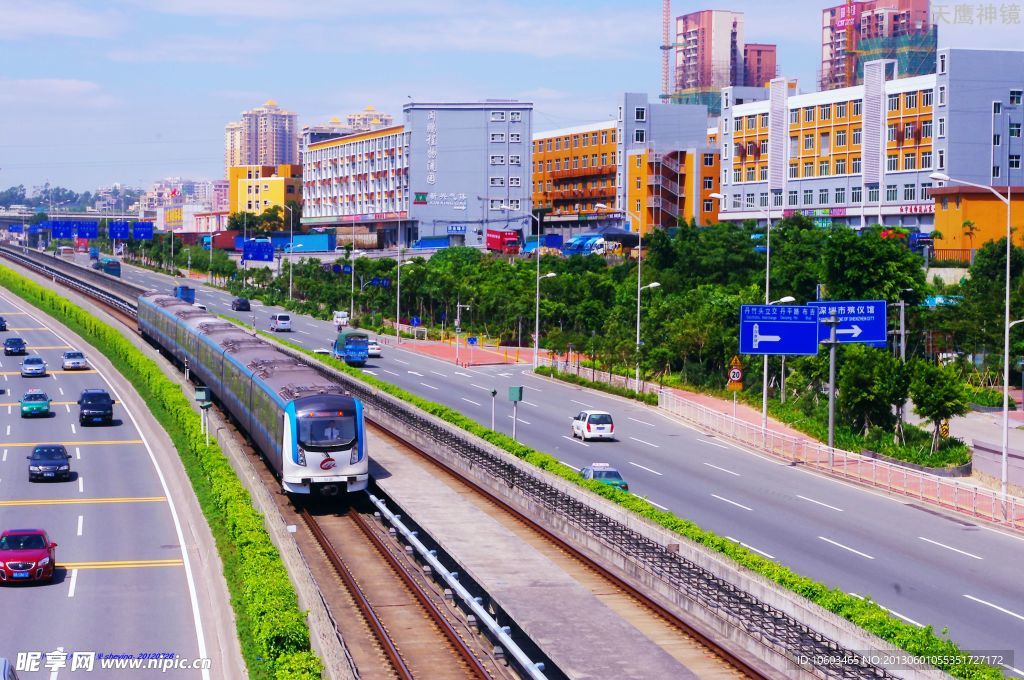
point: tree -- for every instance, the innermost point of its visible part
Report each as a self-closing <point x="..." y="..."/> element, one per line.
<point x="874" y="264"/>
<point x="969" y="231"/>
<point x="938" y="393"/>
<point x="871" y="382"/>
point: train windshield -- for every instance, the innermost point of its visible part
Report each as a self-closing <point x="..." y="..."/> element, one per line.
<point x="327" y="433"/>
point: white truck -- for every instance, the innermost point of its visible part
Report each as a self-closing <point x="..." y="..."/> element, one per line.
<point x="340" y="319"/>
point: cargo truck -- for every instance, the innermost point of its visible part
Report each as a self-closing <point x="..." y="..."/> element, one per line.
<point x="553" y="241"/>
<point x="582" y="244"/>
<point x="503" y="241"/>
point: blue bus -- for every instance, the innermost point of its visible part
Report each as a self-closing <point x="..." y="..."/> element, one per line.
<point x="109" y="265"/>
<point x="352" y="347"/>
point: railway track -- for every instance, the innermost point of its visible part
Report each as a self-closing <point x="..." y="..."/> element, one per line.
<point x="395" y="622"/>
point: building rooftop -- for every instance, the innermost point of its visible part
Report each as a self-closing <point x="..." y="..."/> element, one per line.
<point x="588" y="127"/>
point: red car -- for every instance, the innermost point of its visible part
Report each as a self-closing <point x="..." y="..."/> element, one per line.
<point x="26" y="555"/>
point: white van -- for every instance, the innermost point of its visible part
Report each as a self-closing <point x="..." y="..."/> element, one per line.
<point x="340" y="319"/>
<point x="280" y="322"/>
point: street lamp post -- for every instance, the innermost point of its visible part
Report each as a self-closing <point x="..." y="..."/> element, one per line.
<point x="536" y="329"/>
<point x="639" y="261"/>
<point x="398" y="300"/>
<point x="209" y="271"/>
<point x="652" y="284"/>
<point x="943" y="177"/>
<point x="767" y="293"/>
<point x="291" y="246"/>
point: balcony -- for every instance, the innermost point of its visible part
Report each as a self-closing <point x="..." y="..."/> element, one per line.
<point x="583" y="172"/>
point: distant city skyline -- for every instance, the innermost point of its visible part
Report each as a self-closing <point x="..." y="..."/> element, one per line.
<point x="93" y="93"/>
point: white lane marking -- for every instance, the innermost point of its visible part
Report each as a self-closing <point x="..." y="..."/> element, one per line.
<point x="522" y="421"/>
<point x="81" y="489"/>
<point x="80" y="518"/>
<point x="387" y="371"/>
<point x="644" y="468"/>
<point x="67" y="408"/>
<point x="738" y="505"/>
<point x="846" y="547"/>
<point x="734" y="474"/>
<point x="475" y="403"/>
<point x="54" y="376"/>
<point x="949" y="547"/>
<point x="399" y="361"/>
<point x="657" y="505"/>
<point x="581" y="403"/>
<point x="5" y="455"/>
<point x="505" y="375"/>
<point x="366" y="370"/>
<point x="72" y="428"/>
<point x="721" y="446"/>
<point x="426" y="385"/>
<point x="74" y="580"/>
<point x="78" y="453"/>
<point x="995" y="606"/>
<point x="480" y="387"/>
<point x="653" y="446"/>
<point x="642" y="422"/>
<point x="824" y="505"/>
<point x="535" y="389"/>
<point x="528" y="403"/>
<point x="1011" y="668"/>
<point x="300" y="340"/>
<point x="305" y="333"/>
<point x="750" y="547"/>
<point x="568" y="465"/>
<point x="894" y="613"/>
<point x="461" y="373"/>
<point x="418" y="375"/>
<point x="573" y="439"/>
<point x="440" y="374"/>
<point x="61" y="390"/>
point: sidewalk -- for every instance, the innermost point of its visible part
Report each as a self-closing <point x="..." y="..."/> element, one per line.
<point x="465" y="354"/>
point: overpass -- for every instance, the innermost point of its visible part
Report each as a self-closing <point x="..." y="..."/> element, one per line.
<point x="23" y="217"/>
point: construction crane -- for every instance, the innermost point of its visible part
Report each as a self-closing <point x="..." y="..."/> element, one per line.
<point x="666" y="47"/>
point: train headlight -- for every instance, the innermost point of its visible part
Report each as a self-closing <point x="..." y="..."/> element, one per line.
<point x="302" y="458"/>
<point x="354" y="458"/>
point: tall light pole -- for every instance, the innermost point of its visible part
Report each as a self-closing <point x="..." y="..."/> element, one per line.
<point x="398" y="300"/>
<point x="943" y="177"/>
<point x="536" y="330"/>
<point x="653" y="284"/>
<point x="209" y="270"/>
<point x="291" y="246"/>
<point x="767" y="297"/>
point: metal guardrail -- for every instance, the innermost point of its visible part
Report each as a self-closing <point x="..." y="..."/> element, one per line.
<point x="771" y="627"/>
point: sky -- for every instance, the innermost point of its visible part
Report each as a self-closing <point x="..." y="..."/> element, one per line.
<point x="94" y="92"/>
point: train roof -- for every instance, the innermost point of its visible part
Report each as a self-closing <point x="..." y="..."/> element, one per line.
<point x="290" y="378"/>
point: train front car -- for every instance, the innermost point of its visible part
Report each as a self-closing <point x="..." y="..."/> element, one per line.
<point x="328" y="447"/>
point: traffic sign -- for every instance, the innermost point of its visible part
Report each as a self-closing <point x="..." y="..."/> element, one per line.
<point x="860" y="321"/>
<point x="142" y="231"/>
<point x="735" y="375"/>
<point x="414" y="321"/>
<point x="15" y="228"/>
<point x="778" y="329"/>
<point x="346" y="269"/>
<point x="257" y="251"/>
<point x="117" y="230"/>
<point x="471" y="340"/>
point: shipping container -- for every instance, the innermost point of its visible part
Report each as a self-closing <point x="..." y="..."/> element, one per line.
<point x="309" y="243"/>
<point x="431" y="242"/>
<point x="547" y="241"/>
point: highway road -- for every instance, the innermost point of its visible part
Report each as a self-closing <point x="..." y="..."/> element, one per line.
<point x="124" y="582"/>
<point x="927" y="566"/>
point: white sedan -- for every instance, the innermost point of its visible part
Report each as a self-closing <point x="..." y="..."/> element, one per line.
<point x="373" y="349"/>
<point x="73" y="361"/>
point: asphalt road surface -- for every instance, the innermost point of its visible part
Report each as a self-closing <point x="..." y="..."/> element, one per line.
<point x="927" y="566"/>
<point x="122" y="582"/>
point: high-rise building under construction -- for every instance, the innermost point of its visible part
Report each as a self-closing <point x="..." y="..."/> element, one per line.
<point x="858" y="32"/>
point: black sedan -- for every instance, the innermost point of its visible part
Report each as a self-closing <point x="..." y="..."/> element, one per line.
<point x="3" y="324"/>
<point x="49" y="461"/>
<point x="240" y="305"/>
<point x="14" y="346"/>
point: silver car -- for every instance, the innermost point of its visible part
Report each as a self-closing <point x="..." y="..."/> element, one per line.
<point x="33" y="366"/>
<point x="73" y="361"/>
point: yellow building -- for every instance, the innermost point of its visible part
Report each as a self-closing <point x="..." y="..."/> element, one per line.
<point x="254" y="188"/>
<point x="955" y="205"/>
<point x="664" y="188"/>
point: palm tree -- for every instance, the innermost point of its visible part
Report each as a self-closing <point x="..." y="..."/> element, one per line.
<point x="969" y="231"/>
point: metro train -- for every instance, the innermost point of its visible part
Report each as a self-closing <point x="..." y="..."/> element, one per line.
<point x="309" y="430"/>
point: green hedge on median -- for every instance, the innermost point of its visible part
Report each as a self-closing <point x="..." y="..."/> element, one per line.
<point x="922" y="642"/>
<point x="646" y="397"/>
<point x="273" y="632"/>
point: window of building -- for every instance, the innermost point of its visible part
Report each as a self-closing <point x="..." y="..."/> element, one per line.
<point x="736" y="199"/>
<point x="558" y="144"/>
<point x="709" y="183"/>
<point x="908" y="131"/>
<point x="892" y="163"/>
<point x="709" y="159"/>
<point x="841" y="110"/>
<point x="794" y="171"/>
<point x="840" y="138"/>
<point x="808" y="169"/>
<point x="942" y="127"/>
<point x="825" y="112"/>
<point x="763" y="173"/>
<point x="926" y="129"/>
<point x="926" y="98"/>
<point x="926" y="160"/>
<point x="515" y="181"/>
<point x="593" y="138"/>
<point x="890" y="133"/>
<point x="576" y="140"/>
<point x="750" y="174"/>
<point x="764" y="146"/>
<point x="585" y="138"/>
<point x="514" y="204"/>
<point x="1014" y="129"/>
<point x="794" y="146"/>
<point x="584" y="160"/>
<point x="840" y="166"/>
<point x="1015" y="97"/>
<point x="549" y="166"/>
<point x="809" y="114"/>
<point x="736" y="175"/>
<point x="604" y="137"/>
<point x="942" y="63"/>
<point x="497" y="204"/>
<point x="725" y="125"/>
<point x="942" y="95"/>
<point x="709" y="205"/>
<point x="997" y="107"/>
<point x="497" y="115"/>
<point x="791" y="197"/>
<point x="840" y="195"/>
<point x="910" y="161"/>
<point x="776" y="199"/>
<point x="575" y="163"/>
<point x="497" y="181"/>
<point x="857" y="106"/>
<point x="516" y="116"/>
<point x="823" y="170"/>
<point x="926" y="190"/>
<point x="497" y="160"/>
<point x="996" y="139"/>
<point x="873" y="193"/>
<point x="638" y="161"/>
<point x="856" y="136"/>
<point x="1014" y="161"/>
<point x="764" y="120"/>
<point x="794" y="116"/>
<point x="497" y="136"/>
<point x="751" y="122"/>
<point x="515" y="137"/>
<point x="808" y="142"/>
<point x="823" y="144"/>
<point x="941" y="159"/>
<point x="855" y="194"/>
<point x="640" y="113"/>
<point x="891" y="192"/>
<point x="636" y="207"/>
<point x="995" y="171"/>
<point x="639" y="136"/>
<point x="808" y="196"/>
<point x="762" y="199"/>
<point x="638" y="181"/>
<point x="909" y="192"/>
<point x="823" y="196"/>
<point x="894" y="102"/>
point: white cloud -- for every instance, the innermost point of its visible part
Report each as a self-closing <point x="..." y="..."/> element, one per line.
<point x="28" y="19"/>
<point x="189" y="48"/>
<point x="46" y="92"/>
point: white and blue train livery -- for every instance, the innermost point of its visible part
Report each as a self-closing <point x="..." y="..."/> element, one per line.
<point x="309" y="430"/>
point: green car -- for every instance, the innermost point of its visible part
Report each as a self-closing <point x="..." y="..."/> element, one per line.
<point x="35" y="403"/>
<point x="605" y="474"/>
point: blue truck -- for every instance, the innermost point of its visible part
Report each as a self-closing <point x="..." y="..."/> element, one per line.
<point x="431" y="242"/>
<point x="546" y="241"/>
<point x="581" y="245"/>
<point x="352" y="347"/>
<point x="185" y="294"/>
<point x="94" y="253"/>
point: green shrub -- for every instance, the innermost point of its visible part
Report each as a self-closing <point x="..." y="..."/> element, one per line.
<point x="646" y="397"/>
<point x="272" y="630"/>
<point x="987" y="396"/>
<point x="864" y="613"/>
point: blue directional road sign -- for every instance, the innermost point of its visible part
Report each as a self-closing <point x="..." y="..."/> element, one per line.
<point x="414" y="321"/>
<point x="87" y="230"/>
<point x="778" y="329"/>
<point x="860" y="321"/>
<point x="142" y="231"/>
<point x="258" y="251"/>
<point x="346" y="269"/>
<point x="118" y="230"/>
<point x="60" y="229"/>
<point x="15" y="228"/>
<point x="471" y="340"/>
